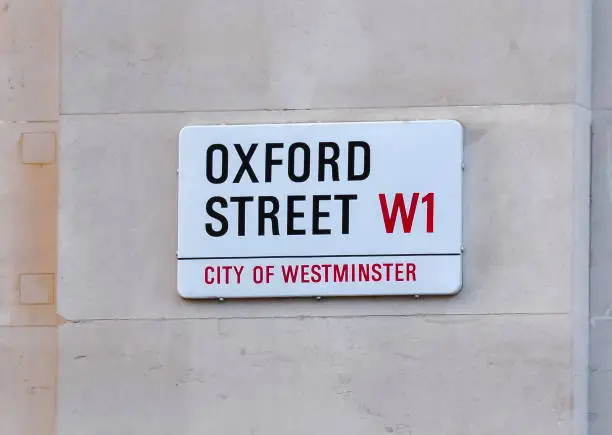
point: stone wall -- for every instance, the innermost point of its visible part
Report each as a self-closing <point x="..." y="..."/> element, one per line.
<point x="507" y="355"/>
<point x="29" y="115"/>
<point x="601" y="244"/>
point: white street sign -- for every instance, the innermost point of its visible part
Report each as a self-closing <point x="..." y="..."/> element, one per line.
<point x="277" y="210"/>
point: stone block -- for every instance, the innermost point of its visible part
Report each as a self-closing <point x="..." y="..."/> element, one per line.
<point x="601" y="215"/>
<point x="118" y="215"/>
<point x="28" y="362"/>
<point x="29" y="49"/>
<point x="602" y="54"/>
<point x="600" y="386"/>
<point x="601" y="351"/>
<point x="192" y="55"/>
<point x="600" y="418"/>
<point x="36" y="289"/>
<point x="477" y="375"/>
<point x="28" y="226"/>
<point x="38" y="148"/>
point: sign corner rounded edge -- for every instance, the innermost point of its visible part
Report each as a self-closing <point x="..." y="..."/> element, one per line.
<point x="456" y="124"/>
<point x="458" y="289"/>
<point x="184" y="130"/>
<point x="183" y="294"/>
<point x="459" y="286"/>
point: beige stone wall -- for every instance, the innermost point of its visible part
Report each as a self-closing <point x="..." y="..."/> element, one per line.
<point x="507" y="355"/>
<point x="503" y="357"/>
<point x="29" y="114"/>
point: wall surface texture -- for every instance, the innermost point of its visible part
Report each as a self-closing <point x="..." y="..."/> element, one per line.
<point x="29" y="115"/>
<point x="501" y="357"/>
<point x="601" y="224"/>
<point x="506" y="356"/>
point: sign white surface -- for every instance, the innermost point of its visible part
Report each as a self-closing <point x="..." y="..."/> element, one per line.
<point x="371" y="208"/>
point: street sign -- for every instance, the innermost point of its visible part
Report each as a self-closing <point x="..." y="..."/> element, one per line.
<point x="320" y="209"/>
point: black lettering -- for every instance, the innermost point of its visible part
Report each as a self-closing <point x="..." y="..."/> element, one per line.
<point x="241" y="201"/>
<point x="317" y="214"/>
<point x="351" y="161"/>
<point x="245" y="163"/>
<point x="331" y="161"/>
<point x="306" y="170"/>
<point x="216" y="215"/>
<point x="345" y="210"/>
<point x="263" y="214"/>
<point x="270" y="161"/>
<point x="292" y="214"/>
<point x="210" y="163"/>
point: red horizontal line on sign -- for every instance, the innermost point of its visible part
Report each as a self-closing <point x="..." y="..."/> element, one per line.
<point x="317" y="256"/>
